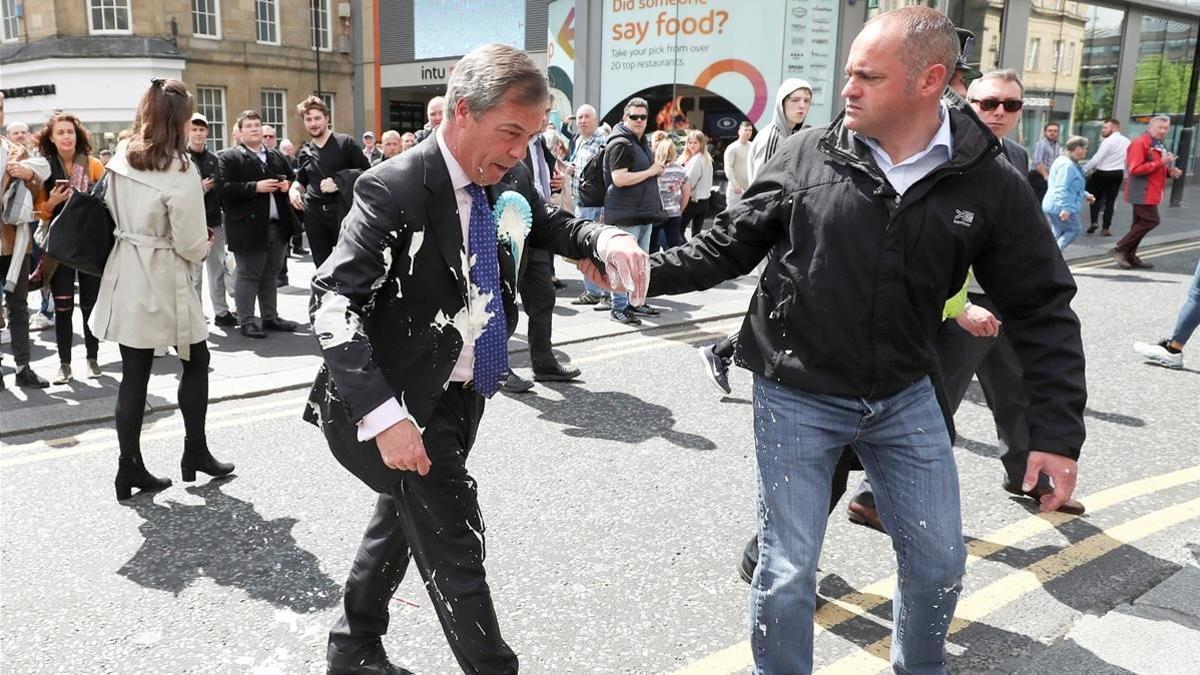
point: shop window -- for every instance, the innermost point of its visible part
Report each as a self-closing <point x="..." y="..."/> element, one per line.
<point x="1164" y="71"/>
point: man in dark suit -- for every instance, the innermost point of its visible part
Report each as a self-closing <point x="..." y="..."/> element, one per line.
<point x="259" y="222"/>
<point x="413" y="310"/>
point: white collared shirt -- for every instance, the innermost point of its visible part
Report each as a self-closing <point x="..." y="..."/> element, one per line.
<point x="1110" y="156"/>
<point x="903" y="175"/>
<point x="261" y="153"/>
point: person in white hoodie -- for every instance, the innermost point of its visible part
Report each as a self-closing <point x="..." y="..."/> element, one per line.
<point x="793" y="98"/>
<point x="146" y="297"/>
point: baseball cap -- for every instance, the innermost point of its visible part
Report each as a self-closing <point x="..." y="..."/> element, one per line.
<point x="369" y="133"/>
<point x="197" y="118"/>
<point x="966" y="44"/>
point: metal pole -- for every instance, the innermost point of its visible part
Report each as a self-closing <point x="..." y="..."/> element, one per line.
<point x="316" y="32"/>
<point x="1184" y="150"/>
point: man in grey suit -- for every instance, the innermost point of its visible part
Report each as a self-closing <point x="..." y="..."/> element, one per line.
<point x="413" y="310"/>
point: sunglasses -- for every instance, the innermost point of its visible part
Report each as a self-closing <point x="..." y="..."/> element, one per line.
<point x="990" y="104"/>
<point x="637" y="118"/>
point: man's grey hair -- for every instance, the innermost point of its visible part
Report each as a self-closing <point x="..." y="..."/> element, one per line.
<point x="585" y="107"/>
<point x="491" y="75"/>
<point x="1159" y="118"/>
<point x="929" y="39"/>
<point x="1004" y="74"/>
<point x="17" y="126"/>
<point x="1074" y="143"/>
<point x="636" y="102"/>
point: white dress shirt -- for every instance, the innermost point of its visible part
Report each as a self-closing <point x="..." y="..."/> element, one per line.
<point x="392" y="411"/>
<point x="1110" y="156"/>
<point x="261" y="153"/>
<point x="902" y="176"/>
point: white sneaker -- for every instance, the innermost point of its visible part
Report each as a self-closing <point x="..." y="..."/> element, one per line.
<point x="1158" y="354"/>
<point x="40" y="321"/>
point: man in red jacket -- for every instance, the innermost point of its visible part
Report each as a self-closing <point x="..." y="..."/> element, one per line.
<point x="1148" y="164"/>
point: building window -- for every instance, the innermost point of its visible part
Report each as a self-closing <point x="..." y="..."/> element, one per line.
<point x="10" y="19"/>
<point x="210" y="102"/>
<point x="328" y="97"/>
<point x="206" y="18"/>
<point x="266" y="21"/>
<point x="1031" y="55"/>
<point x="1070" y="64"/>
<point x="108" y="16"/>
<point x="1056" y="56"/>
<point x="273" y="108"/>
<point x="319" y="18"/>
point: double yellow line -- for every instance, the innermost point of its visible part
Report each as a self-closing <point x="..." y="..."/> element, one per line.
<point x="1005" y="591"/>
<point x="1150" y="252"/>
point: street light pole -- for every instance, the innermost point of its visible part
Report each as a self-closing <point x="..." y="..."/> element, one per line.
<point x="1187" y="134"/>
<point x="316" y="34"/>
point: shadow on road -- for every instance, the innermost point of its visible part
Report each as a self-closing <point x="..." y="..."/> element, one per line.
<point x="226" y="540"/>
<point x="610" y="416"/>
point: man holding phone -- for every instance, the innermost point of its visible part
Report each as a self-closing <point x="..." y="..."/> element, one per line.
<point x="258" y="222"/>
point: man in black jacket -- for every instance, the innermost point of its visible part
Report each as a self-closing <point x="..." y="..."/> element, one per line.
<point x="329" y="164"/>
<point x="413" y="311"/>
<point x="258" y="222"/>
<point x="220" y="280"/>
<point x="868" y="227"/>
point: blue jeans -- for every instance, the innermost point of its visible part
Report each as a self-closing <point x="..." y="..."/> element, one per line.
<point x="620" y="301"/>
<point x="1064" y="231"/>
<point x="903" y="444"/>
<point x="593" y="213"/>
<point x="1189" y="314"/>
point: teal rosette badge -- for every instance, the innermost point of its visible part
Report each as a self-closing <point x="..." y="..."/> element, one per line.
<point x="514" y="220"/>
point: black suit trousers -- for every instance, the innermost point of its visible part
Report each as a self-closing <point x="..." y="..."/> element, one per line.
<point x="1105" y="185"/>
<point x="537" y="297"/>
<point x="436" y="520"/>
<point x="322" y="223"/>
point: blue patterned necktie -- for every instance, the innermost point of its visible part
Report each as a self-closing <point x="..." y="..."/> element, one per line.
<point x="491" y="346"/>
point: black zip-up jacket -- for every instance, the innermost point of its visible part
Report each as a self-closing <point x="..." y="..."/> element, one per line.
<point x="209" y="165"/>
<point x="856" y="277"/>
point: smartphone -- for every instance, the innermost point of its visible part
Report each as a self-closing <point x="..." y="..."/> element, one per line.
<point x="281" y="177"/>
<point x="61" y="183"/>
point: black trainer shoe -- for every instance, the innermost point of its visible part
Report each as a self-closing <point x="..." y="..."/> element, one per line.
<point x="644" y="310"/>
<point x="586" y="298"/>
<point x="27" y="378"/>
<point x="604" y="305"/>
<point x="281" y="325"/>
<point x="225" y="318"/>
<point x="624" y="317"/>
<point x="716" y="367"/>
<point x="749" y="560"/>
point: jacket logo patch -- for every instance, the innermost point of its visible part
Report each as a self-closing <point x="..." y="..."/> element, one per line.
<point x="964" y="218"/>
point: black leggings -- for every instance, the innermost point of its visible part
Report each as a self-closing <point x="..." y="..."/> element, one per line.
<point x="131" y="397"/>
<point x="62" y="287"/>
<point x="694" y="214"/>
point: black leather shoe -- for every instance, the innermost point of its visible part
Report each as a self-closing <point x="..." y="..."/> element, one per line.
<point x="749" y="560"/>
<point x="370" y="661"/>
<point x="252" y="331"/>
<point x="1071" y="507"/>
<point x="716" y="367"/>
<point x="27" y="378"/>
<point x="225" y="319"/>
<point x="865" y="514"/>
<point x="196" y="457"/>
<point x="554" y="372"/>
<point x="515" y="384"/>
<point x="281" y="325"/>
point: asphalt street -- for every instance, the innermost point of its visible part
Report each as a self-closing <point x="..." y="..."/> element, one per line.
<point x="615" y="508"/>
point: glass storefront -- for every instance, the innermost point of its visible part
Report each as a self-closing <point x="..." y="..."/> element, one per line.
<point x="1164" y="72"/>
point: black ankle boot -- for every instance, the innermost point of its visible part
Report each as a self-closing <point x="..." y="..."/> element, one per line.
<point x="132" y="473"/>
<point x="196" y="457"/>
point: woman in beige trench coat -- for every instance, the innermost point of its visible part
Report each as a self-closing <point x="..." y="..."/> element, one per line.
<point x="147" y="299"/>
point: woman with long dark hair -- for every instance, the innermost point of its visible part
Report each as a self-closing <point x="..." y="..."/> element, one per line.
<point x="146" y="298"/>
<point x="67" y="146"/>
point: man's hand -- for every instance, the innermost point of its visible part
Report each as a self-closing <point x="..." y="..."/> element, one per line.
<point x="1064" y="215"/>
<point x="19" y="171"/>
<point x="657" y="168"/>
<point x="1176" y="172"/>
<point x="284" y="186"/>
<point x="208" y="184"/>
<point x="628" y="268"/>
<point x="1091" y="198"/>
<point x="266" y="185"/>
<point x="1169" y="158"/>
<point x="556" y="182"/>
<point x="401" y="448"/>
<point x="328" y="185"/>
<point x="296" y="196"/>
<point x="978" y="322"/>
<point x="1062" y="471"/>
